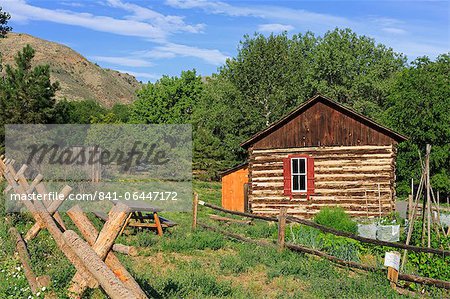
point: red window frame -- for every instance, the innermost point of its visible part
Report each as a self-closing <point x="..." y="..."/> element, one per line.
<point x="287" y="174"/>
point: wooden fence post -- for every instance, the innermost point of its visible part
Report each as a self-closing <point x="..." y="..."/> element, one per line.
<point x="25" y="259"/>
<point x="282" y="227"/>
<point x="194" y="211"/>
<point x="103" y="243"/>
<point x="90" y="233"/>
<point x="246" y="206"/>
<point x="392" y="262"/>
<point x="52" y="209"/>
<point x="110" y="282"/>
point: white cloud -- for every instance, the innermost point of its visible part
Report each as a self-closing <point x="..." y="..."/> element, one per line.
<point x="73" y="4"/>
<point x="393" y="30"/>
<point x="274" y="28"/>
<point x="140" y="13"/>
<point x="170" y="50"/>
<point x="416" y="48"/>
<point x="388" y="25"/>
<point x="143" y="23"/>
<point x="154" y="54"/>
<point x="215" y="7"/>
<point x="299" y="16"/>
<point x="124" y="61"/>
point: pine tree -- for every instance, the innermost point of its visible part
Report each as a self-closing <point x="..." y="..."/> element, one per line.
<point x="4" y="18"/>
<point x="26" y="93"/>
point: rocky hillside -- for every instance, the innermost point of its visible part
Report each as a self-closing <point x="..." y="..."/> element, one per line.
<point x="79" y="78"/>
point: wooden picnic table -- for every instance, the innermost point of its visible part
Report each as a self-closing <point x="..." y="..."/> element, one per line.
<point x="141" y="214"/>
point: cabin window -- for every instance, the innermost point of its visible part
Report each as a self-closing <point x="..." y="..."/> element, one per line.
<point x="298" y="174"/>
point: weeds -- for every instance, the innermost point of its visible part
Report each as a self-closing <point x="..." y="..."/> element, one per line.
<point x="336" y="218"/>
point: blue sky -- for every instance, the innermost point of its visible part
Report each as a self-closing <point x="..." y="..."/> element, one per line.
<point x="151" y="38"/>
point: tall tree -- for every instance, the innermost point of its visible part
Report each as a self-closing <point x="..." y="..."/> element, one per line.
<point x="269" y="74"/>
<point x="273" y="74"/>
<point x="4" y="18"/>
<point x="354" y="70"/>
<point x="218" y="128"/>
<point x="419" y="106"/>
<point x="26" y="92"/>
<point x="78" y="112"/>
<point x="276" y="73"/>
<point x="169" y="100"/>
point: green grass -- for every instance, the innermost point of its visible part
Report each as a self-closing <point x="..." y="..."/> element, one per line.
<point x="204" y="264"/>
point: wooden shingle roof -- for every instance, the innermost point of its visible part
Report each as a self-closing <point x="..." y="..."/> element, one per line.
<point x="330" y="103"/>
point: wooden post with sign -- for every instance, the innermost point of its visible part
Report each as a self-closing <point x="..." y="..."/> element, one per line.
<point x="392" y="262"/>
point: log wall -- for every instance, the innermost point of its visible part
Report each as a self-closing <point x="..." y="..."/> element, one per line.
<point x="356" y="178"/>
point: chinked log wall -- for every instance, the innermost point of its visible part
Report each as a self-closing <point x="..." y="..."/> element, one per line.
<point x="344" y="176"/>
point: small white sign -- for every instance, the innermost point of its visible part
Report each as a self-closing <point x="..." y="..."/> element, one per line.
<point x="392" y="259"/>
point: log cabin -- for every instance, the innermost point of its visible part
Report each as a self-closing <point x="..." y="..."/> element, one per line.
<point x="321" y="154"/>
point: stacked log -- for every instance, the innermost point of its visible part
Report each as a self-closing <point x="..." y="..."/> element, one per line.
<point x="360" y="179"/>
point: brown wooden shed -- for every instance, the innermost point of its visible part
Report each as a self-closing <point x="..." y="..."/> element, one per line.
<point x="321" y="154"/>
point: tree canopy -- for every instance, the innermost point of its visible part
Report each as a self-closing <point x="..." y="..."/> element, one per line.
<point x="418" y="105"/>
<point x="168" y="100"/>
<point x="4" y="18"/>
<point x="26" y="92"/>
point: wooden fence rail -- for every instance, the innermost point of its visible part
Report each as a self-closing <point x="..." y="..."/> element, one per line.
<point x="332" y="231"/>
<point x="294" y="247"/>
<point x="87" y="257"/>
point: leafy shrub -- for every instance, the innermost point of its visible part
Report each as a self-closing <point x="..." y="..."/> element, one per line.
<point x="340" y="247"/>
<point x="307" y="236"/>
<point x="336" y="218"/>
<point x="433" y="266"/>
<point x="392" y="218"/>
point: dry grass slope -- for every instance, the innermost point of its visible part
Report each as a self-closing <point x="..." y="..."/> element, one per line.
<point x="79" y="78"/>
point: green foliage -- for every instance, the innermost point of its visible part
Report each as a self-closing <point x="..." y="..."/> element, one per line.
<point x="79" y="112"/>
<point x="275" y="73"/>
<point x="191" y="281"/>
<point x="170" y="100"/>
<point x="233" y="264"/>
<point x="4" y="18"/>
<point x="419" y="106"/>
<point x="336" y="218"/>
<point x="26" y="93"/>
<point x="219" y="126"/>
<point x="343" y="248"/>
<point x="118" y="114"/>
<point x="236" y="270"/>
<point x="392" y="218"/>
<point x="432" y="266"/>
<point x="354" y="70"/>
